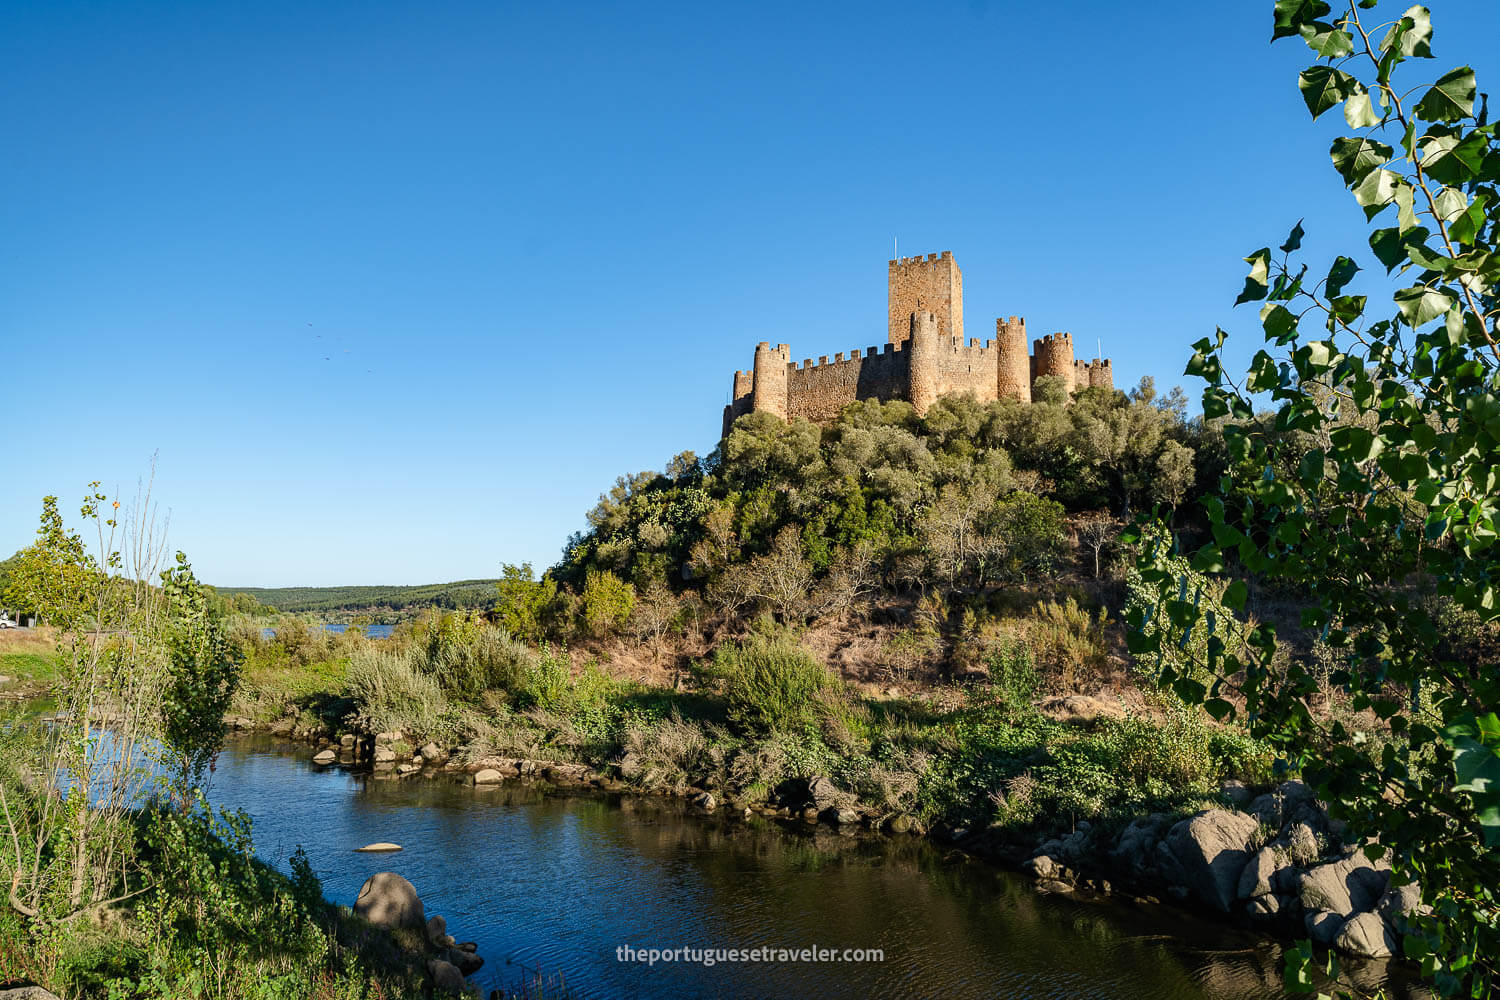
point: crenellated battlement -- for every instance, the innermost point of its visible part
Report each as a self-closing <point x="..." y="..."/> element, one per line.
<point x="926" y="356"/>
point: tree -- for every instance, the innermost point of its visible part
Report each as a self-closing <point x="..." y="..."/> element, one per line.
<point x="202" y="675"/>
<point x="525" y="603"/>
<point x="1372" y="488"/>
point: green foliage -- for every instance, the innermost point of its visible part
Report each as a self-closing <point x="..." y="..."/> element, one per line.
<point x="525" y="606"/>
<point x="769" y="684"/>
<point x="607" y="602"/>
<point x="1370" y="488"/>
<point x="467" y="656"/>
<point x="202" y="675"/>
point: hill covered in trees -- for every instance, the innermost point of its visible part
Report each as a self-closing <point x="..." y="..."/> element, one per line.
<point x="458" y="595"/>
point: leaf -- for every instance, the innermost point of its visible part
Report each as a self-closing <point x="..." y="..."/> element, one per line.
<point x="1451" y="160"/>
<point x="1451" y="99"/>
<point x="1411" y="35"/>
<point x="1354" y="158"/>
<point x="1323" y="86"/>
<point x="1390" y="245"/>
<point x="1451" y="203"/>
<point x="1420" y="305"/>
<point x="1294" y="238"/>
<point x="1377" y="190"/>
<point x="1218" y="708"/>
<point x="1326" y="40"/>
<point x="1277" y="320"/>
<point x="1235" y="595"/>
<point x="1359" y="112"/>
<point x="1291" y="15"/>
<point x="1255" y="282"/>
<point x="1339" y="275"/>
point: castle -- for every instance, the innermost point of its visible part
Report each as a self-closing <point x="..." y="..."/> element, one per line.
<point x="925" y="357"/>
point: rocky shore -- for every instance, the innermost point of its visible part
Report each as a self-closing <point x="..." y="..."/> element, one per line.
<point x="1270" y="859"/>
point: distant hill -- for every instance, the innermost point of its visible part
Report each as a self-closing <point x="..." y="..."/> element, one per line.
<point x="459" y="594"/>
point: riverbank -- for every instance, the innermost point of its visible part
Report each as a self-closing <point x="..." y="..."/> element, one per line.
<point x="1132" y="797"/>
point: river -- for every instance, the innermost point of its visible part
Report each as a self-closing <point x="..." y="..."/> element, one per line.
<point x="557" y="883"/>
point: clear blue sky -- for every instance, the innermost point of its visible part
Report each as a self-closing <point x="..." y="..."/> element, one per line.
<point x="396" y="289"/>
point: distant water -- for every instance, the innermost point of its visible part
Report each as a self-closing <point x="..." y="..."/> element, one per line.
<point x="371" y="631"/>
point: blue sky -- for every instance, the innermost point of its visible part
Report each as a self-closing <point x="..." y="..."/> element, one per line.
<point x="395" y="289"/>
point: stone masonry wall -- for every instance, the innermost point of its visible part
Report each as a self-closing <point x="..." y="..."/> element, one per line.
<point x="818" y="391"/>
<point x="933" y="283"/>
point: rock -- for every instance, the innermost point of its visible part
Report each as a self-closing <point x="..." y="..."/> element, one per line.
<point x="406" y="769"/>
<point x="1236" y="793"/>
<point x="489" y="776"/>
<point x="325" y="757"/>
<point x="1302" y="844"/>
<point x="1293" y="793"/>
<point x="445" y="976"/>
<point x="899" y="824"/>
<point x="1367" y="936"/>
<point x="527" y="767"/>
<point x="1346" y="887"/>
<point x="1256" y="879"/>
<point x="1267" y="809"/>
<point x="346" y="740"/>
<point x="378" y="848"/>
<point x="468" y="963"/>
<point x="1080" y="708"/>
<point x="1323" y="925"/>
<point x="437" y="929"/>
<point x="1042" y="867"/>
<point x="1206" y="854"/>
<point x="388" y="900"/>
<point x="28" y="993"/>
<point x="842" y="816"/>
<point x="1135" y="851"/>
<point x="1400" y="902"/>
<point x="706" y="801"/>
<point x="281" y="727"/>
<point x="822" y="792"/>
<point x="469" y="946"/>
<point x="1053" y="885"/>
<point x="384" y="755"/>
<point x="432" y="753"/>
<point x="1263" y="907"/>
<point x="387" y="737"/>
<point x="448" y="941"/>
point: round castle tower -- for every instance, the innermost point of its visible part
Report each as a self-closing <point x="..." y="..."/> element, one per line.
<point x="1014" y="375"/>
<point x="1054" y="356"/>
<point x="769" y="392"/>
<point x="923" y="346"/>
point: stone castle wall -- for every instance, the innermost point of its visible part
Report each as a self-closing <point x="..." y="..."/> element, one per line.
<point x="933" y="283"/>
<point x="925" y="357"/>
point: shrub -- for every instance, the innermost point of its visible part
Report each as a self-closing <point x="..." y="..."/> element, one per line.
<point x="770" y="684"/>
<point x="468" y="657"/>
<point x="607" y="603"/>
<point x="392" y="693"/>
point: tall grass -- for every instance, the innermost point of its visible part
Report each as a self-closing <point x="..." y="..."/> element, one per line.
<point x="392" y="692"/>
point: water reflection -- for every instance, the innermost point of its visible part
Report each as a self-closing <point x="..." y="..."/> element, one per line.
<point x="558" y="882"/>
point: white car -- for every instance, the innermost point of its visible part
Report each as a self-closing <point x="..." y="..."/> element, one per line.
<point x="6" y="622"/>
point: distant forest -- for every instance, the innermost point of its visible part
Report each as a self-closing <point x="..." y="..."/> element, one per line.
<point x="459" y="594"/>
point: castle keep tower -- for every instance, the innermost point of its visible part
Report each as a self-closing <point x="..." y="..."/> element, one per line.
<point x="924" y="359"/>
<point x="934" y="284"/>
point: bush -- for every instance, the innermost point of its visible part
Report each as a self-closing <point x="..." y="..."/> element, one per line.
<point x="392" y="692"/>
<point x="770" y="684"/>
<point x="468" y="657"/>
<point x="607" y="603"/>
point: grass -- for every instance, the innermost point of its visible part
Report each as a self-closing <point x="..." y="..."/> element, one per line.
<point x="28" y="655"/>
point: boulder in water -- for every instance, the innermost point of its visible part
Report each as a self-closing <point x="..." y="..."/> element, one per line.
<point x="388" y="900"/>
<point x="378" y="848"/>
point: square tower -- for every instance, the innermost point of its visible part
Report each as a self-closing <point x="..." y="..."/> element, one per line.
<point x="932" y="284"/>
